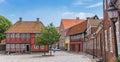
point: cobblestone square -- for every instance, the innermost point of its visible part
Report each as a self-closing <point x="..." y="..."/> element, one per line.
<point x="59" y="56"/>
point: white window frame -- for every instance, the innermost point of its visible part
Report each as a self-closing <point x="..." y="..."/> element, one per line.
<point x="106" y="40"/>
<point x="110" y="32"/>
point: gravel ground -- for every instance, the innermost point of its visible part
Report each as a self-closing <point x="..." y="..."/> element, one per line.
<point x="59" y="56"/>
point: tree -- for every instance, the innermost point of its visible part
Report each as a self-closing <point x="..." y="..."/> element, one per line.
<point x="4" y="25"/>
<point x="49" y="35"/>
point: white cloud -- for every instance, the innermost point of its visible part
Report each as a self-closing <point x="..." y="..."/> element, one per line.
<point x="95" y="5"/>
<point x="82" y="15"/>
<point x="80" y="2"/>
<point x="77" y="3"/>
<point x="67" y="13"/>
<point x="1" y="1"/>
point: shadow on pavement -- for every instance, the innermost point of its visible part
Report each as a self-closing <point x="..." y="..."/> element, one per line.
<point x="43" y="56"/>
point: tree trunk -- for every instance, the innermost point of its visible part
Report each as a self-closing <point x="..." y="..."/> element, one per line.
<point x="44" y="51"/>
<point x="50" y="49"/>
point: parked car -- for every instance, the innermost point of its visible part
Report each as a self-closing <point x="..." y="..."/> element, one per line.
<point x="55" y="49"/>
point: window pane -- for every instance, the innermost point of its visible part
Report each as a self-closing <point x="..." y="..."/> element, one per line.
<point x="17" y="46"/>
<point x="7" y="45"/>
<point x="36" y="46"/>
<point x="42" y="46"/>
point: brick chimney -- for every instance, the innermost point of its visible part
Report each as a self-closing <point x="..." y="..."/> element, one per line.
<point x="77" y="18"/>
<point x="38" y="19"/>
<point x="20" y="19"/>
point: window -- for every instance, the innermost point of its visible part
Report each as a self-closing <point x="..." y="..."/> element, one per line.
<point x="22" y="45"/>
<point x="22" y="35"/>
<point x="17" y="46"/>
<point x="42" y="46"/>
<point x="12" y="45"/>
<point x="36" y="46"/>
<point x="8" y="35"/>
<point x="7" y="45"/>
<point x="110" y="32"/>
<point x="17" y="35"/>
<point x="13" y="35"/>
<point x="106" y="41"/>
<point x="108" y="2"/>
<point x="28" y="35"/>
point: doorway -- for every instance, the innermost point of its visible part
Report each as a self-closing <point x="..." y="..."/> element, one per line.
<point x="27" y="48"/>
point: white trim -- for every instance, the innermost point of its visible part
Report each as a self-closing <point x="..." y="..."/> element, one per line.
<point x="117" y="36"/>
<point x="106" y="40"/>
<point x="110" y="38"/>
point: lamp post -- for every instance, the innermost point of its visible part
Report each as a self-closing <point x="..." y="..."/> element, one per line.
<point x="113" y="14"/>
<point x="93" y="38"/>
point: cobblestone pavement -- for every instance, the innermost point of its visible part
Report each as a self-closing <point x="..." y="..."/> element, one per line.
<point x="59" y="56"/>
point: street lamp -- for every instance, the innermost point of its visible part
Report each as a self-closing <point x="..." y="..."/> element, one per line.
<point x="93" y="38"/>
<point x="113" y="14"/>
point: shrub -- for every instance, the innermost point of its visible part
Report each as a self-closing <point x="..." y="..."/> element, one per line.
<point x="118" y="59"/>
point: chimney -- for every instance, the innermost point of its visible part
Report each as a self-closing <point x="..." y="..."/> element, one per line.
<point x="38" y="19"/>
<point x="20" y="19"/>
<point x="88" y="18"/>
<point x="77" y="18"/>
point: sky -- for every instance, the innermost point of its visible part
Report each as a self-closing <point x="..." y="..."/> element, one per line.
<point x="50" y="11"/>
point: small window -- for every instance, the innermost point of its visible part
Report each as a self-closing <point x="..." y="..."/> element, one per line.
<point x="17" y="46"/>
<point x="36" y="46"/>
<point x="7" y="45"/>
<point x="28" y="35"/>
<point x="12" y="45"/>
<point x="17" y="35"/>
<point x="22" y="45"/>
<point x="42" y="46"/>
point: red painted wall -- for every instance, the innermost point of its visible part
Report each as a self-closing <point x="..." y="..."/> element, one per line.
<point x="30" y="41"/>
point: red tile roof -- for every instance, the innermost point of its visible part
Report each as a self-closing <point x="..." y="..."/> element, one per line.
<point x="67" y="23"/>
<point x="79" y="28"/>
<point x="26" y="27"/>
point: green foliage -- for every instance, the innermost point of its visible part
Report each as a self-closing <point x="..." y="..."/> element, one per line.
<point x="49" y="35"/>
<point x="118" y="59"/>
<point x="2" y="48"/>
<point x="4" y="25"/>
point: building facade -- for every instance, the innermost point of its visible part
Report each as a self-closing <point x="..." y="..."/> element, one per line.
<point x="111" y="31"/>
<point x="21" y="37"/>
<point x="64" y="28"/>
<point x="77" y="36"/>
<point x="92" y="24"/>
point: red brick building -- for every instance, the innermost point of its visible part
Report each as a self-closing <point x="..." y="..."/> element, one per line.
<point x="77" y="36"/>
<point x="21" y="36"/>
<point x="111" y="31"/>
